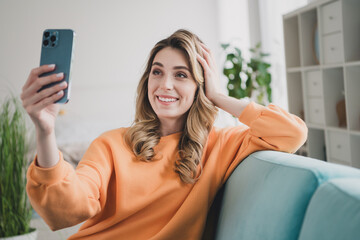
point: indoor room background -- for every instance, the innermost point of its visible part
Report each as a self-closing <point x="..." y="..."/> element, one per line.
<point x="112" y="43"/>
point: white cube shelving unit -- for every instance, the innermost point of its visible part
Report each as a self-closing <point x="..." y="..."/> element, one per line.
<point x="322" y="51"/>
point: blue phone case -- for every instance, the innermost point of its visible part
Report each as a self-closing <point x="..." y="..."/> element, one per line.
<point x="57" y="48"/>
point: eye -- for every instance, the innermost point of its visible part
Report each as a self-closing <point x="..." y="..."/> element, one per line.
<point x="181" y="75"/>
<point x="156" y="72"/>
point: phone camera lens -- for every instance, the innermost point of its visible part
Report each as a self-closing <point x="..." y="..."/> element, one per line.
<point x="53" y="38"/>
<point x="46" y="42"/>
<point x="46" y="34"/>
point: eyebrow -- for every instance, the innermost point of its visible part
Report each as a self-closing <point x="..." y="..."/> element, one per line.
<point x="176" y="67"/>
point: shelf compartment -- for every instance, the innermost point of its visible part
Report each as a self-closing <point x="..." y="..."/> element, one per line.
<point x="291" y="40"/>
<point x="331" y="17"/>
<point x="308" y="31"/>
<point x="351" y="19"/>
<point x="333" y="82"/>
<point x="339" y="147"/>
<point x="353" y="97"/>
<point x="333" y="51"/>
<point x="315" y="111"/>
<point x="295" y="100"/>
<point x="313" y="83"/>
<point x="355" y="150"/>
<point x="316" y="144"/>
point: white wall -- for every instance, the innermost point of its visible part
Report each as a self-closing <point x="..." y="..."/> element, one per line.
<point x="272" y="38"/>
<point x="113" y="40"/>
<point x="233" y="28"/>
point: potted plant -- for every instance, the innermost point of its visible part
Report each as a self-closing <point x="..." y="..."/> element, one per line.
<point x="247" y="78"/>
<point x="15" y="209"/>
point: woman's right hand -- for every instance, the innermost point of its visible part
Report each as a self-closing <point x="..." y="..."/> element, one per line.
<point x="40" y="104"/>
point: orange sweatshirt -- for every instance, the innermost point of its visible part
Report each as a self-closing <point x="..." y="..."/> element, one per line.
<point x="122" y="198"/>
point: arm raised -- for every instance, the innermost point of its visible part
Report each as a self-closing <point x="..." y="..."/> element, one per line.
<point x="229" y="104"/>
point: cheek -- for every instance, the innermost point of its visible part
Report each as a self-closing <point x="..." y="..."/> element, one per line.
<point x="150" y="92"/>
<point x="150" y="87"/>
<point x="192" y="90"/>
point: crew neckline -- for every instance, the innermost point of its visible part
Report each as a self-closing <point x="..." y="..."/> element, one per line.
<point x="172" y="135"/>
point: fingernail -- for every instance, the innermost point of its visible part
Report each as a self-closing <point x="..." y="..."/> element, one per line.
<point x="63" y="84"/>
<point x="59" y="93"/>
<point x="51" y="65"/>
<point x="60" y="75"/>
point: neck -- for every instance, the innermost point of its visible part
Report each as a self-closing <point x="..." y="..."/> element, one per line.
<point x="170" y="126"/>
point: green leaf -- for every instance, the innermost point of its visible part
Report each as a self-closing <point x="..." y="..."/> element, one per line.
<point x="237" y="68"/>
<point x="260" y="80"/>
<point x="267" y="79"/>
<point x="260" y="98"/>
<point x="239" y="92"/>
<point x="248" y="83"/>
<point x="266" y="65"/>
<point x="229" y="71"/>
<point x="238" y="51"/>
<point x="225" y="45"/>
<point x="262" y="67"/>
<point x="253" y="64"/>
<point x="249" y="87"/>
<point x="15" y="211"/>
<point x="269" y="92"/>
<point x="230" y="57"/>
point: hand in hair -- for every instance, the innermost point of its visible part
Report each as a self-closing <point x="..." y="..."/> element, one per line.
<point x="210" y="71"/>
<point x="229" y="104"/>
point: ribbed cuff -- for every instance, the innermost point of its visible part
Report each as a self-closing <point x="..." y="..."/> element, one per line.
<point x="50" y="175"/>
<point x="250" y="113"/>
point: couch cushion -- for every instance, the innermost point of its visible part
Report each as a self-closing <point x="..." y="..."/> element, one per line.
<point x="333" y="212"/>
<point x="268" y="193"/>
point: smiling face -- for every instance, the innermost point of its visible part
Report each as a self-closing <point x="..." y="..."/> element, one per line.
<point x="171" y="87"/>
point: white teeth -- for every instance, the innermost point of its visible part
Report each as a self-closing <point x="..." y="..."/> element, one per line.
<point x="167" y="99"/>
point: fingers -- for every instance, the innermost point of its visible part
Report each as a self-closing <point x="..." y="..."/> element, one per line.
<point x="34" y="74"/>
<point x="34" y="99"/>
<point x="210" y="74"/>
<point x="203" y="63"/>
<point x="208" y="55"/>
<point x="205" y="48"/>
<point x="38" y="83"/>
<point x="33" y="109"/>
<point x="46" y="93"/>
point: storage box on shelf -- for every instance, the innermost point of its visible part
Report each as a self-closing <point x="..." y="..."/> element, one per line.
<point x="322" y="50"/>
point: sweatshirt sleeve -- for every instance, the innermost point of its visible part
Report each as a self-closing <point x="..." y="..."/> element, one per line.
<point x="64" y="197"/>
<point x="268" y="128"/>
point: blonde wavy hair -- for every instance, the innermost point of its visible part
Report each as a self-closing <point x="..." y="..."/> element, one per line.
<point x="144" y="134"/>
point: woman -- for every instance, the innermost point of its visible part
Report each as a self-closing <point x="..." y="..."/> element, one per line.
<point x="157" y="178"/>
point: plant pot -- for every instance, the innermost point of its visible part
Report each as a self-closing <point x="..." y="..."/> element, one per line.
<point x="28" y="236"/>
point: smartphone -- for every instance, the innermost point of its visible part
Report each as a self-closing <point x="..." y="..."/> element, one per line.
<point x="57" y="48"/>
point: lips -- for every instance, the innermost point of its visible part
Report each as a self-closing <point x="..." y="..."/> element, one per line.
<point x="167" y="99"/>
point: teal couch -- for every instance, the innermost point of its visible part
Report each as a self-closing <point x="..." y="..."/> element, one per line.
<point x="279" y="196"/>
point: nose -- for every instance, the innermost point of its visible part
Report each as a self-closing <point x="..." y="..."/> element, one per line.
<point x="167" y="82"/>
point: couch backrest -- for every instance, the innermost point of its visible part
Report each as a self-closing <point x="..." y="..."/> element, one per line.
<point x="267" y="195"/>
<point x="333" y="212"/>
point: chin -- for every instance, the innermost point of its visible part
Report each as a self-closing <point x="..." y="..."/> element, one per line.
<point x="169" y="116"/>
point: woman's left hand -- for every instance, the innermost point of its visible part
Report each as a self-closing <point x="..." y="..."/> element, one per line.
<point x="210" y="72"/>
